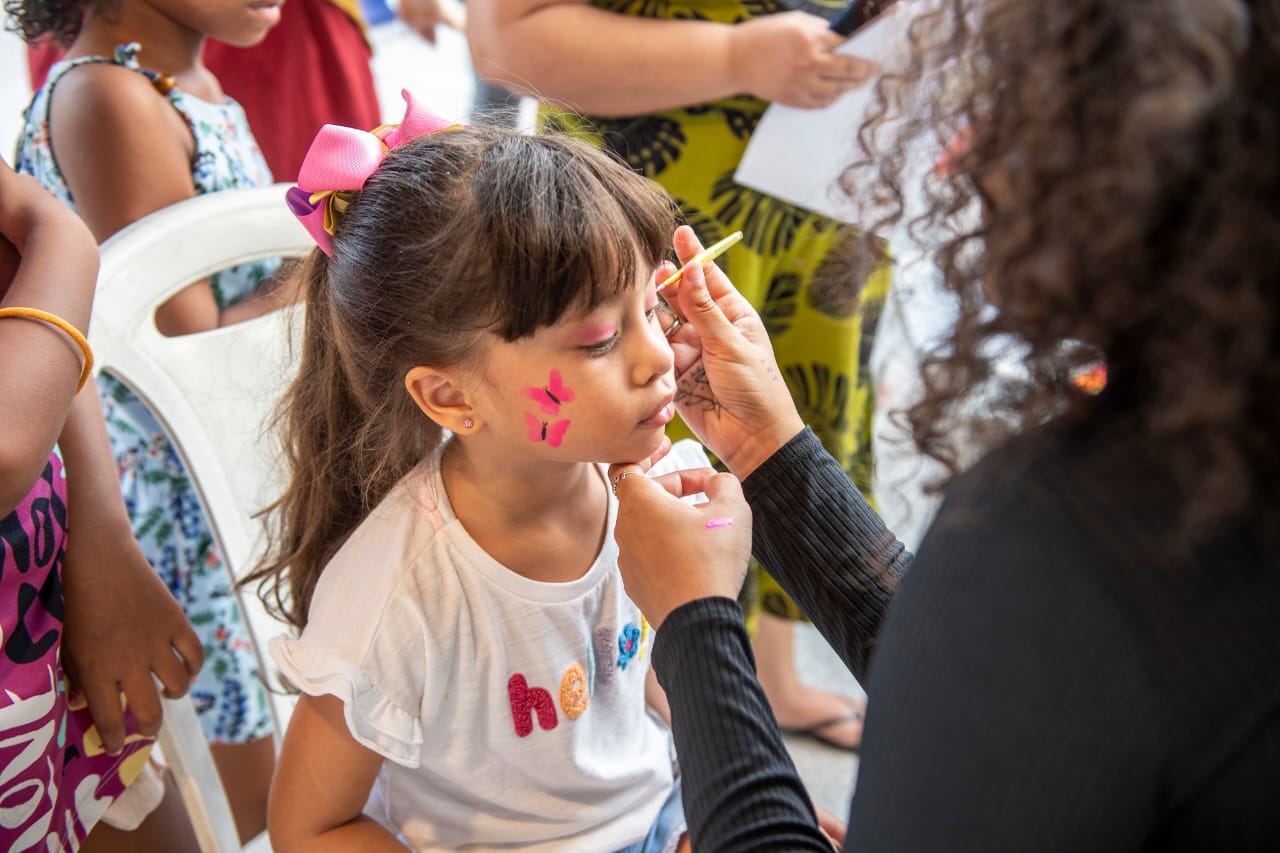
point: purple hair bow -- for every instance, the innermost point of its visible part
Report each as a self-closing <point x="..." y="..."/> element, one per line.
<point x="343" y="158"/>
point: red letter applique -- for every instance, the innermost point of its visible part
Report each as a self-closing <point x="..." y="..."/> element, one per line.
<point x="526" y="701"/>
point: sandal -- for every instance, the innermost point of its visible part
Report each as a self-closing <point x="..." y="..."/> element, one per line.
<point x="815" y="730"/>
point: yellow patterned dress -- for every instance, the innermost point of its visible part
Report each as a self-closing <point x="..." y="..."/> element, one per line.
<point x="819" y="300"/>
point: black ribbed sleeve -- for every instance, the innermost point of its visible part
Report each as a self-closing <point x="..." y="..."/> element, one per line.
<point x="820" y="539"/>
<point x="741" y="791"/>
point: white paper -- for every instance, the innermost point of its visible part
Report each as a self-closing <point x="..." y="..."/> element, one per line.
<point x="797" y="155"/>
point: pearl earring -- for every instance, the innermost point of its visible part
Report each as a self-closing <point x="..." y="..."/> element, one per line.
<point x="467" y="423"/>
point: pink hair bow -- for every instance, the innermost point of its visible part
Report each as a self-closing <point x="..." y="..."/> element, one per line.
<point x="342" y="159"/>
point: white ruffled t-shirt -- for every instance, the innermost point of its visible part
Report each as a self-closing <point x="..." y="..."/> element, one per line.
<point x="511" y="711"/>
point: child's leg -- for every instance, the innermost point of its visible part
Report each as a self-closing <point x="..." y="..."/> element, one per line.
<point x="245" y="770"/>
<point x="165" y="829"/>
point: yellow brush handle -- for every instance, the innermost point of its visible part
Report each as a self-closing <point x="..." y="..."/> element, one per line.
<point x="708" y="254"/>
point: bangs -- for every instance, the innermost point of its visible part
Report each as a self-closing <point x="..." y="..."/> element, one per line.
<point x="573" y="229"/>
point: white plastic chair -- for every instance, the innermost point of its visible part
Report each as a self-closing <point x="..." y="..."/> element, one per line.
<point x="213" y="392"/>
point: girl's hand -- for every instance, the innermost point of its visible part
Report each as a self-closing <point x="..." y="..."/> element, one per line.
<point x="729" y="389"/>
<point x="789" y="58"/>
<point x="122" y="626"/>
<point x="671" y="553"/>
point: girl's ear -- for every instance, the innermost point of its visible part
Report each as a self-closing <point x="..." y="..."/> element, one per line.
<point x="441" y="397"/>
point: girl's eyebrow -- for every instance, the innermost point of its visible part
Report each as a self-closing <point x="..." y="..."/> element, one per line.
<point x="592" y="332"/>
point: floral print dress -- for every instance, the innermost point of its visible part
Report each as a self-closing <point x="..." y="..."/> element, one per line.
<point x="162" y="503"/>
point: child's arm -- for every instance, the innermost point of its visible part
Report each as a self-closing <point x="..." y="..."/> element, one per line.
<point x="323" y="778"/>
<point x="48" y="261"/>
<point x="124" y="153"/>
<point x="122" y="625"/>
<point x="655" y="697"/>
<point x="636" y="65"/>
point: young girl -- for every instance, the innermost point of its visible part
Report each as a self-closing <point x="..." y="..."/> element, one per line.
<point x="130" y="122"/>
<point x="72" y="579"/>
<point x="481" y="327"/>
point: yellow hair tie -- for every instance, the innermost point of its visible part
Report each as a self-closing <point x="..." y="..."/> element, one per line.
<point x="72" y="332"/>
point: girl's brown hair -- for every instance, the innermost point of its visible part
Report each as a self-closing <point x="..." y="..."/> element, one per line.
<point x="459" y="233"/>
<point x="1113" y="180"/>
<point x="58" y="20"/>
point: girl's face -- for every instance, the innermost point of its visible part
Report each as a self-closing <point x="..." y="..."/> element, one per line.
<point x="240" y="23"/>
<point x="596" y="387"/>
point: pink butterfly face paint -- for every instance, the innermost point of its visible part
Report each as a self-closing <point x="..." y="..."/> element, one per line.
<point x="718" y="522"/>
<point x="550" y="398"/>
<point x="552" y="395"/>
<point x="552" y="432"/>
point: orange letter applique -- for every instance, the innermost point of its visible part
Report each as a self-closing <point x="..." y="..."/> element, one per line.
<point x="573" y="691"/>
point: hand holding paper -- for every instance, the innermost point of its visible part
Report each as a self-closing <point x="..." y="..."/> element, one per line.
<point x="797" y="155"/>
<point x="792" y="58"/>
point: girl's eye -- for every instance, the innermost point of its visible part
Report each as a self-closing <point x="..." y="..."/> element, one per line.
<point x="602" y="347"/>
<point x="652" y="314"/>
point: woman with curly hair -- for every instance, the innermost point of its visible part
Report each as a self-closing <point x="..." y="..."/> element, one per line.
<point x="1082" y="655"/>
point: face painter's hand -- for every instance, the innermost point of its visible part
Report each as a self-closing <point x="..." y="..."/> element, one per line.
<point x="732" y="394"/>
<point x="671" y="553"/>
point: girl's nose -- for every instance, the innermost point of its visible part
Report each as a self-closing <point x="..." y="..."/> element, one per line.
<point x="654" y="358"/>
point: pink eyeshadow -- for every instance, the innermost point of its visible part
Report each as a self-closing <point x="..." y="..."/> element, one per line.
<point x="593" y="334"/>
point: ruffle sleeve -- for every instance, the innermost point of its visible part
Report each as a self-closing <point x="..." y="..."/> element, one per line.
<point x="374" y="719"/>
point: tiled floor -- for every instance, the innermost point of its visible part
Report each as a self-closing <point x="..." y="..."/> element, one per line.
<point x="441" y="76"/>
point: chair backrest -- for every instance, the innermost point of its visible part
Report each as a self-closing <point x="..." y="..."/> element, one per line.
<point x="214" y="393"/>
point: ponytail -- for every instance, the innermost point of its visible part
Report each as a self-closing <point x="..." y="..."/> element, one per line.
<point x="344" y="450"/>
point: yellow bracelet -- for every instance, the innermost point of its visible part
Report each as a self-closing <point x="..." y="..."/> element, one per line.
<point x="72" y="332"/>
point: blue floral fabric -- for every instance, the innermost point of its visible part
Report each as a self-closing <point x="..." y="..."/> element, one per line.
<point x="162" y="503"/>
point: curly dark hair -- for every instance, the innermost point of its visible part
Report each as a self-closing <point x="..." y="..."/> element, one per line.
<point x="56" y="20"/>
<point x="1112" y="184"/>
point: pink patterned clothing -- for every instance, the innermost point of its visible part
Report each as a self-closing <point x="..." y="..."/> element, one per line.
<point x="55" y="779"/>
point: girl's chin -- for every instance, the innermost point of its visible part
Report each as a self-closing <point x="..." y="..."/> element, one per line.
<point x="645" y="448"/>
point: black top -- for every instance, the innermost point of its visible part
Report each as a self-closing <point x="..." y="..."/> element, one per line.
<point x="1043" y="680"/>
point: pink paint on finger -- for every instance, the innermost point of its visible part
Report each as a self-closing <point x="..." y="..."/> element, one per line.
<point x="719" y="522"/>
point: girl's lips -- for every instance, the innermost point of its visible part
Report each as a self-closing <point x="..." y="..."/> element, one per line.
<point x="268" y="12"/>
<point x="661" y="417"/>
